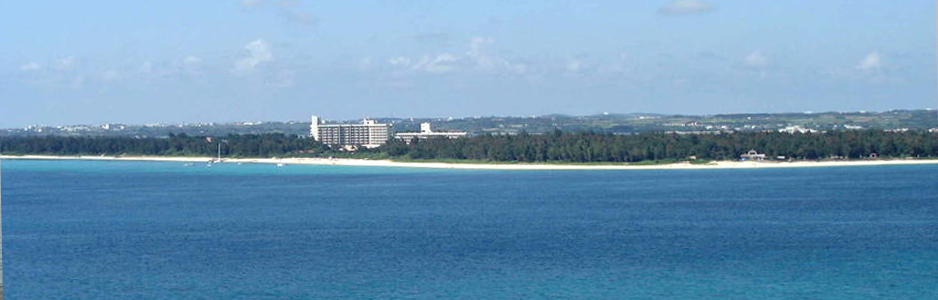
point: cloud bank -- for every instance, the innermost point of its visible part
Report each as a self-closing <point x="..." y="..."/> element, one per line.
<point x="478" y="57"/>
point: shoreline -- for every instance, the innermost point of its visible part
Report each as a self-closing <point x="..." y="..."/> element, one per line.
<point x="489" y="166"/>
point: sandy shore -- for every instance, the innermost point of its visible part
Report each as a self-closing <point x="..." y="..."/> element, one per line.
<point x="493" y="166"/>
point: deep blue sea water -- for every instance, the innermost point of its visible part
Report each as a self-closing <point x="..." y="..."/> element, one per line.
<point x="155" y="230"/>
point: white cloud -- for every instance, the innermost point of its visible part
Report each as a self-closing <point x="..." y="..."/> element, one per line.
<point x="685" y="7"/>
<point x="575" y="66"/>
<point x="191" y="60"/>
<point x="66" y="64"/>
<point x="477" y="57"/>
<point x="476" y="44"/>
<point x="478" y="51"/>
<point x="259" y="51"/>
<point x="442" y="63"/>
<point x="871" y="62"/>
<point x="31" y="67"/>
<point x="756" y="60"/>
<point x="110" y="75"/>
<point x="438" y="64"/>
<point x="190" y="64"/>
<point x="400" y="61"/>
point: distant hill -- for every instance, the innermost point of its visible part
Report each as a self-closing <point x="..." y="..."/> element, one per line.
<point x="608" y="123"/>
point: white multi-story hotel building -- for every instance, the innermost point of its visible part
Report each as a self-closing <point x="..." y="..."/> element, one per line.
<point x="368" y="134"/>
<point x="426" y="132"/>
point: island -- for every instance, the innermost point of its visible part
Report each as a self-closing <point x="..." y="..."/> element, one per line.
<point x="555" y="150"/>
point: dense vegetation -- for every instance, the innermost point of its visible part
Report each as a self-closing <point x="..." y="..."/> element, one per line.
<point x="552" y="147"/>
<point x="248" y="145"/>
<point x="595" y="147"/>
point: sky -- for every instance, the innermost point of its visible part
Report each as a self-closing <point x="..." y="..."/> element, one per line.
<point x="137" y="62"/>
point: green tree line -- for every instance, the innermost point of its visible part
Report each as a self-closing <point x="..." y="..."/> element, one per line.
<point x="555" y="146"/>
<point x="601" y="147"/>
<point x="246" y="145"/>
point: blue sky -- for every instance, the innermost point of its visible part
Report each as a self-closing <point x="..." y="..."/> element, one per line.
<point x="82" y="62"/>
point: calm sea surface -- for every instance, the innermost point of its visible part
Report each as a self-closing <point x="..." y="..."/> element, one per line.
<point x="155" y="230"/>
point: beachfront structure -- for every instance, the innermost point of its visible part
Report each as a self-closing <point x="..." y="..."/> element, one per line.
<point x="427" y="132"/>
<point x="368" y="134"/>
<point x="752" y="155"/>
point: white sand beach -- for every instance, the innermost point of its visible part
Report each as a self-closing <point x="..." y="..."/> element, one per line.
<point x="496" y="166"/>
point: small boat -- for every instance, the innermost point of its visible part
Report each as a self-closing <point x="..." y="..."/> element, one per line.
<point x="280" y="165"/>
<point x="187" y="165"/>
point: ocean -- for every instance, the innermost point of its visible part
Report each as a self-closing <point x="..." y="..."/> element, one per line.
<point x="164" y="230"/>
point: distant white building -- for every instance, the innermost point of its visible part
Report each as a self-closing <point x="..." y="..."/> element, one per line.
<point x="368" y="134"/>
<point x="427" y="132"/>
<point x="796" y="129"/>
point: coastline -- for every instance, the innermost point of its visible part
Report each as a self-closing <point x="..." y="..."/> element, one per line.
<point x="491" y="166"/>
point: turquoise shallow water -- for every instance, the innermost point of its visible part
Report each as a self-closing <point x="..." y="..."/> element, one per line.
<point x="154" y="230"/>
